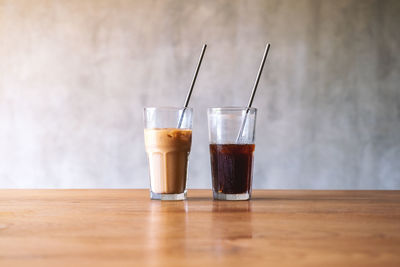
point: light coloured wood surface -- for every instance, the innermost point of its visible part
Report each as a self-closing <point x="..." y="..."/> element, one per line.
<point x="124" y="227"/>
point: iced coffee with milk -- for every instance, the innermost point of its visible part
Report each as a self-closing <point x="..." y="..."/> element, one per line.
<point x="168" y="139"/>
<point x="168" y="151"/>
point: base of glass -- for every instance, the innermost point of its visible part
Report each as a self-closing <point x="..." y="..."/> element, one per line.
<point x="162" y="196"/>
<point x="222" y="196"/>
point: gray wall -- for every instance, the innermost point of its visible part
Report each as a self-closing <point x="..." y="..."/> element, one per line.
<point x="75" y="75"/>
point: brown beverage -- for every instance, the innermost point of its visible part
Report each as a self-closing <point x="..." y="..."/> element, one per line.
<point x="231" y="167"/>
<point x="168" y="150"/>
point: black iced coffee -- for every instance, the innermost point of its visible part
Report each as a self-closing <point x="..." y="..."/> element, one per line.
<point x="231" y="167"/>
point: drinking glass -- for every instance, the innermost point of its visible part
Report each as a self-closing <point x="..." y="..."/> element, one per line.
<point x="168" y="139"/>
<point x="231" y="136"/>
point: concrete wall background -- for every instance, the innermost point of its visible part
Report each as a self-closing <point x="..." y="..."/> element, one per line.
<point x="75" y="75"/>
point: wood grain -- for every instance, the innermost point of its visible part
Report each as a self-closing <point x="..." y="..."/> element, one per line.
<point x="124" y="227"/>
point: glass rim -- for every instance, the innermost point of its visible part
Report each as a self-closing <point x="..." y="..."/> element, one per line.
<point x="232" y="109"/>
<point x="168" y="108"/>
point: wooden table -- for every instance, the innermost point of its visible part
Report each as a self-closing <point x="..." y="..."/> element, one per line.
<point x="123" y="227"/>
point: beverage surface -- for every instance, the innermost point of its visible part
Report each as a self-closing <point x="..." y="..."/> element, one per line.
<point x="168" y="150"/>
<point x="231" y="167"/>
<point x="164" y="137"/>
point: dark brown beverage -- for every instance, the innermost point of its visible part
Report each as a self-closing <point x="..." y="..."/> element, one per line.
<point x="231" y="167"/>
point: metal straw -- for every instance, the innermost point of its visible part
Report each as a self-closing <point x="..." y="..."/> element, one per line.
<point x="203" y="50"/>
<point x="253" y="92"/>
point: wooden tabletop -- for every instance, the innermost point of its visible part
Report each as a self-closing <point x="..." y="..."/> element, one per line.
<point x="123" y="227"/>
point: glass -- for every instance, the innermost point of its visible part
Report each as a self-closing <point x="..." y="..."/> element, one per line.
<point x="168" y="147"/>
<point x="231" y="153"/>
